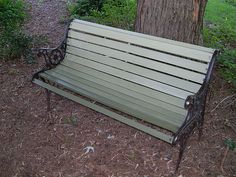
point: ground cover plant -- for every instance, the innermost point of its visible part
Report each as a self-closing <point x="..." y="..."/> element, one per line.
<point x="220" y="32"/>
<point x="13" y="41"/>
<point x="116" y="13"/>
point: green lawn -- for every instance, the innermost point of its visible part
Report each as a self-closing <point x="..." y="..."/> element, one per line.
<point x="220" y="24"/>
<point x="219" y="12"/>
<point x="220" y="32"/>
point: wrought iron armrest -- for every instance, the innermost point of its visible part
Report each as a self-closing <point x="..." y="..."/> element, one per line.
<point x="52" y="57"/>
<point x="195" y="104"/>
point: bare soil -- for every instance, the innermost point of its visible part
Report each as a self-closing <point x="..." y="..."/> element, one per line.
<point x="34" y="143"/>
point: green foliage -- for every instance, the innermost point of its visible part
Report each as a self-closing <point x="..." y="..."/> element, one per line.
<point x="231" y="2"/>
<point x="12" y="14"/>
<point x="220" y="32"/>
<point x="219" y="36"/>
<point x="117" y="13"/>
<point x="230" y="144"/>
<point x="14" y="43"/>
<point x="227" y="61"/>
<point x="217" y="11"/>
<point x="84" y="7"/>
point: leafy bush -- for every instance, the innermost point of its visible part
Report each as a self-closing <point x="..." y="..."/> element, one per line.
<point x="219" y="36"/>
<point x="231" y="2"/>
<point x="12" y="14"/>
<point x="14" y="43"/>
<point x="227" y="61"/>
<point x="117" y="13"/>
<point x="84" y="7"/>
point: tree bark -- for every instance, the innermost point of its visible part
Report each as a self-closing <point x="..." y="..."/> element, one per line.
<point x="180" y="20"/>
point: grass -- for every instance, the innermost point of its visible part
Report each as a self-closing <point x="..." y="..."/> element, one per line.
<point x="220" y="32"/>
<point x="218" y="12"/>
<point x="220" y="24"/>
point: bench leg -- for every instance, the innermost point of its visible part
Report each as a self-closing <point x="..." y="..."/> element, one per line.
<point x="182" y="144"/>
<point x="200" y="129"/>
<point x="200" y="126"/>
<point x="48" y="93"/>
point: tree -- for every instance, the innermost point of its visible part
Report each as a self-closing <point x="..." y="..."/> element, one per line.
<point x="180" y="20"/>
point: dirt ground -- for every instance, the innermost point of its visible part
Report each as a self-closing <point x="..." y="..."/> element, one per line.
<point x="34" y="143"/>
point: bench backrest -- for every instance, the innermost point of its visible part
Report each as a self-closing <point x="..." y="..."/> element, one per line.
<point x="157" y="70"/>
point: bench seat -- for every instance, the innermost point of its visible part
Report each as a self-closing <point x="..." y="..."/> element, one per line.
<point x="120" y="98"/>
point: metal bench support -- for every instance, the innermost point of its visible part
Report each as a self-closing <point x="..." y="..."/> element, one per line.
<point x="48" y="95"/>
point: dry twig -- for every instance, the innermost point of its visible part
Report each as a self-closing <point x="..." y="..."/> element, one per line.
<point x="223" y="160"/>
<point x="226" y="98"/>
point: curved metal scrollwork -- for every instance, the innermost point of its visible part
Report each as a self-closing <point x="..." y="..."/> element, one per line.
<point x="195" y="104"/>
<point x="54" y="56"/>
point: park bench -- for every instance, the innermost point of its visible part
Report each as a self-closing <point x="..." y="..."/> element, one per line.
<point x="156" y="85"/>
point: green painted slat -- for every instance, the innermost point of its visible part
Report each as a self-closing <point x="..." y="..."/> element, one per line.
<point x="102" y="86"/>
<point x="119" y="89"/>
<point x="141" y="70"/>
<point x="143" y="52"/>
<point x="73" y="44"/>
<point x="129" y="85"/>
<point x="150" y="37"/>
<point x="131" y="38"/>
<point x="117" y="103"/>
<point x="128" y="76"/>
<point x="109" y="113"/>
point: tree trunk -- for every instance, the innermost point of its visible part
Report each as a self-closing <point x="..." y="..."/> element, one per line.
<point x="180" y="20"/>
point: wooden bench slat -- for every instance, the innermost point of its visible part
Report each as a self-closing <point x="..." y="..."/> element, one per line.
<point x="178" y="102"/>
<point x="150" y="37"/>
<point x="142" y="41"/>
<point x="118" y="91"/>
<point x="150" y="108"/>
<point x="144" y="72"/>
<point x="154" y="55"/>
<point x="107" y="112"/>
<point x="128" y="76"/>
<point x="74" y="45"/>
<point x="117" y="103"/>
<point x="69" y="72"/>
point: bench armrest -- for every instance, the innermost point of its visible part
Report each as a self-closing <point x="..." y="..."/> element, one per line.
<point x="195" y="104"/>
<point x="52" y="56"/>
